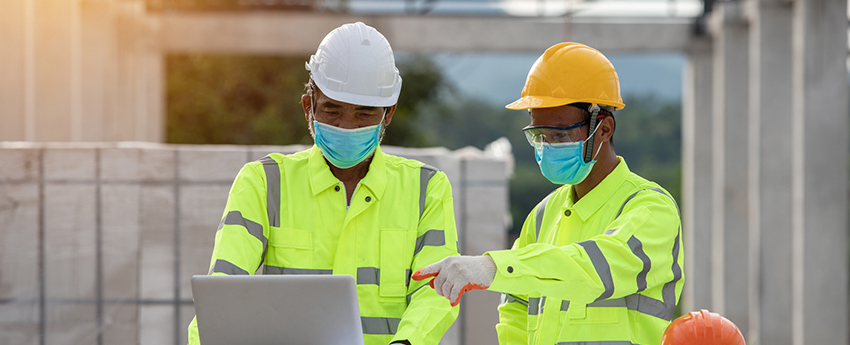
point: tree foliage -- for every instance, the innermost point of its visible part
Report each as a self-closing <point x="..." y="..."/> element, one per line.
<point x="235" y="100"/>
<point x="238" y="99"/>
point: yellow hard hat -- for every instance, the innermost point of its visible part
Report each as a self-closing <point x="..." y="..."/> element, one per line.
<point x="570" y="73"/>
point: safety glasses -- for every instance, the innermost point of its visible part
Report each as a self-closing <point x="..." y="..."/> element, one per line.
<point x="537" y="135"/>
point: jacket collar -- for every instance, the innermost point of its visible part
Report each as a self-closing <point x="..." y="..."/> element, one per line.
<point x="321" y="177"/>
<point x="599" y="195"/>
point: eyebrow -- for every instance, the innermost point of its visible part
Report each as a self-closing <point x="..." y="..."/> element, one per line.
<point x="328" y="104"/>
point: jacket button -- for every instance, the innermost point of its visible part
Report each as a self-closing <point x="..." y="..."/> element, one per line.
<point x="336" y="188"/>
<point x="510" y="269"/>
<point x="567" y="213"/>
<point x="368" y="198"/>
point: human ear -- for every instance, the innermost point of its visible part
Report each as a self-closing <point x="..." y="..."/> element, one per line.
<point x="606" y="129"/>
<point x="306" y="104"/>
<point x="389" y="115"/>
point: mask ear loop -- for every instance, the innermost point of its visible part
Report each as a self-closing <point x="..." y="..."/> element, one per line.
<point x="312" y="118"/>
<point x="588" y="148"/>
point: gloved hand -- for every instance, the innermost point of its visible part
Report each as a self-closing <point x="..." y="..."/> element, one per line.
<point x="455" y="275"/>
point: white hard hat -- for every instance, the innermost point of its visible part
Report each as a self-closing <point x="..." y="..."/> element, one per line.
<point x="355" y="64"/>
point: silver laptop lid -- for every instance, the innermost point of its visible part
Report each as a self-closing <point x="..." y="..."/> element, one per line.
<point x="277" y="309"/>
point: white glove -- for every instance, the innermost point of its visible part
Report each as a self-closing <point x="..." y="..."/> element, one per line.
<point x="455" y="275"/>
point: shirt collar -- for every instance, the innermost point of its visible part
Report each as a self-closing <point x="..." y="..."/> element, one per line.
<point x="599" y="195"/>
<point x="321" y="177"/>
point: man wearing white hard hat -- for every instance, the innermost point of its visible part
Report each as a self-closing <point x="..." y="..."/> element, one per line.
<point x="343" y="206"/>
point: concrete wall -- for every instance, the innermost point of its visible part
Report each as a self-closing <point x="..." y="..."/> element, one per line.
<point x="766" y="170"/>
<point x="98" y="241"/>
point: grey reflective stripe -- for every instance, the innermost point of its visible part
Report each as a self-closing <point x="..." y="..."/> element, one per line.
<point x="538" y="216"/>
<point x="379" y="325"/>
<point x="636" y="302"/>
<point x="410" y="295"/>
<point x="601" y="266"/>
<point x="272" y="189"/>
<point x="659" y="190"/>
<point x="615" y="342"/>
<point x="425" y="174"/>
<point x="368" y="275"/>
<point x="609" y="303"/>
<point x="227" y="267"/>
<point x="637" y="250"/>
<point x="626" y="202"/>
<point x="254" y="228"/>
<point x="267" y="269"/>
<point x="668" y="292"/>
<point x="508" y="298"/>
<point x="647" y="305"/>
<point x="533" y="305"/>
<point x="430" y="238"/>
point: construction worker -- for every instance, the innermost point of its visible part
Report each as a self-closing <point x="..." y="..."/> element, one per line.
<point x="343" y="206"/>
<point x="599" y="260"/>
<point x="702" y="328"/>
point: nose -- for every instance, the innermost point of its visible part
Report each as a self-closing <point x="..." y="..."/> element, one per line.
<point x="348" y="122"/>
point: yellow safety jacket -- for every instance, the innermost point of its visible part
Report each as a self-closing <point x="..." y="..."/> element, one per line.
<point x="606" y="270"/>
<point x="289" y="213"/>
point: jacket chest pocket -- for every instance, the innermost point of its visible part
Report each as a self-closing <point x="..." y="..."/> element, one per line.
<point x="395" y="262"/>
<point x="290" y="248"/>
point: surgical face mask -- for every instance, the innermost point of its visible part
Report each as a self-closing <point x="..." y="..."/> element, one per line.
<point x="345" y="148"/>
<point x="562" y="163"/>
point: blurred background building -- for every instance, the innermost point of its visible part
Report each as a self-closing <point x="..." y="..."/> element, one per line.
<point x="106" y="211"/>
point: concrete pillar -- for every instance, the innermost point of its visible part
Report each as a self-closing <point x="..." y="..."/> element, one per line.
<point x="53" y="31"/>
<point x="697" y="174"/>
<point x="820" y="171"/>
<point x="729" y="246"/>
<point x="13" y="23"/>
<point x="80" y="70"/>
<point x="485" y="226"/>
<point x="97" y="64"/>
<point x="770" y="150"/>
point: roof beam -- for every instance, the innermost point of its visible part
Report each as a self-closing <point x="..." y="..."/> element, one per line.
<point x="299" y="33"/>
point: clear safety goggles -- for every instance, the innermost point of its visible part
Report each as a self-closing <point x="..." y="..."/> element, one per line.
<point x="537" y="135"/>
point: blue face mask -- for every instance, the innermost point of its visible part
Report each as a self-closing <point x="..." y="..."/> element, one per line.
<point x="345" y="148"/>
<point x="562" y="163"/>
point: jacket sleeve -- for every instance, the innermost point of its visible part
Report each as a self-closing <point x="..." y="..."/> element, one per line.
<point x="640" y="249"/>
<point x="513" y="309"/>
<point x="429" y="315"/>
<point x="242" y="234"/>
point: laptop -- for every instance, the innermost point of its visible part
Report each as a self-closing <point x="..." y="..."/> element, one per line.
<point x="277" y="309"/>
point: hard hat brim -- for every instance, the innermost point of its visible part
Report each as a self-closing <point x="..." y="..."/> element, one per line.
<point x="529" y="102"/>
<point x="364" y="100"/>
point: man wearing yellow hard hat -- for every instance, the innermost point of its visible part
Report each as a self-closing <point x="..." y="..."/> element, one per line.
<point x="600" y="259"/>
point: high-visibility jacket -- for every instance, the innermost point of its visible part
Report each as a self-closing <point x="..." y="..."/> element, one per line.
<point x="289" y="213"/>
<point x="606" y="270"/>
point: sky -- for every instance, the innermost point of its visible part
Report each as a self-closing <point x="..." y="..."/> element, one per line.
<point x="499" y="77"/>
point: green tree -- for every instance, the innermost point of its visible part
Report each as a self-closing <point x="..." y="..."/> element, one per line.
<point x="238" y="99"/>
<point x="234" y="99"/>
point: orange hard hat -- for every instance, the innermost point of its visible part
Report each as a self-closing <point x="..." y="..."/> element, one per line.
<point x="702" y="328"/>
